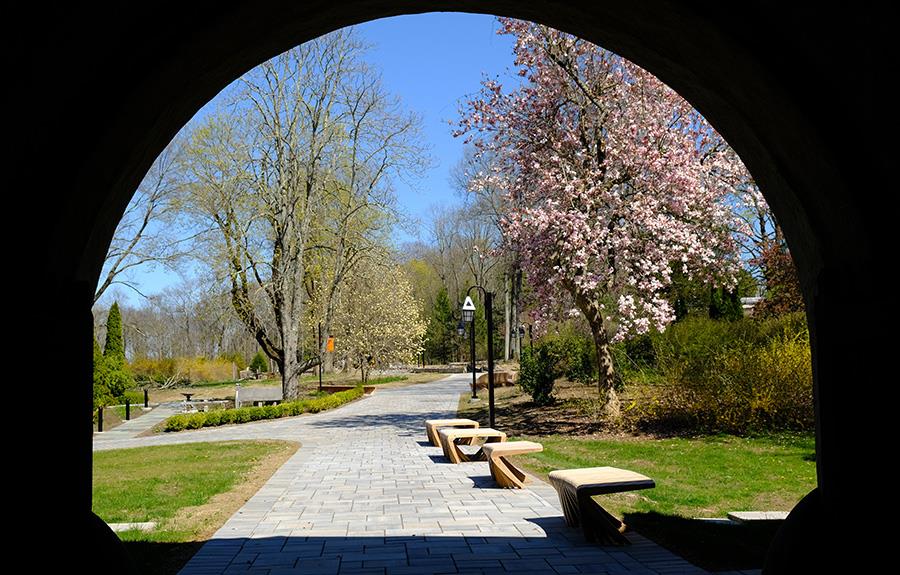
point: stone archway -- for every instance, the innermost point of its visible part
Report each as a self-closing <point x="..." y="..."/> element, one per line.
<point x="107" y="91"/>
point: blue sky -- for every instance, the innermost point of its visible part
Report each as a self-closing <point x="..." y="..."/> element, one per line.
<point x="432" y="62"/>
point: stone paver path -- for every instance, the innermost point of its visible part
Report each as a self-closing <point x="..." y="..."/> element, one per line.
<point x="138" y="425"/>
<point x="367" y="494"/>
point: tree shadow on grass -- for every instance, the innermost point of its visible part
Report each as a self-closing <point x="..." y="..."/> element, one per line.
<point x="711" y="545"/>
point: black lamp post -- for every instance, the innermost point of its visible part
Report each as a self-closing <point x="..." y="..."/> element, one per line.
<point x="468" y="314"/>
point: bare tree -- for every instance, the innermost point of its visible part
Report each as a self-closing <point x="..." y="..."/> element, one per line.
<point x="292" y="176"/>
<point x="148" y="233"/>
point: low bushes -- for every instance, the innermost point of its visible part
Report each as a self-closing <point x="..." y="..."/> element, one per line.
<point x="248" y="414"/>
<point x="182" y="370"/>
<point x="737" y="377"/>
<point x="538" y="371"/>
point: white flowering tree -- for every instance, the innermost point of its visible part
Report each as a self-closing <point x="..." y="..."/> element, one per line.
<point x="378" y="320"/>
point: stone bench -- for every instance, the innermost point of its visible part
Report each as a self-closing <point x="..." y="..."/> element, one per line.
<point x="451" y="438"/>
<point x="576" y="488"/>
<point x="257" y="395"/>
<point x="502" y="470"/>
<point x="433" y="425"/>
<point x="501" y="379"/>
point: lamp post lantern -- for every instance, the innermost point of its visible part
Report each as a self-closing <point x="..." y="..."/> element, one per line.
<point x="468" y="314"/>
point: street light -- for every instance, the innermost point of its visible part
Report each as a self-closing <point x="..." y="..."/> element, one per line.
<point x="468" y="314"/>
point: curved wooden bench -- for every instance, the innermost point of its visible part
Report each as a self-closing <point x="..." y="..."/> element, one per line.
<point x="432" y="426"/>
<point x="576" y="488"/>
<point x="502" y="470"/>
<point x="452" y="438"/>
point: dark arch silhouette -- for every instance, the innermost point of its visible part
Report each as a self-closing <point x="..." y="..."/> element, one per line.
<point x="792" y="89"/>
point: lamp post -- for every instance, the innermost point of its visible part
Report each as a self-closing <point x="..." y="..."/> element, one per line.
<point x="468" y="311"/>
<point x="468" y="315"/>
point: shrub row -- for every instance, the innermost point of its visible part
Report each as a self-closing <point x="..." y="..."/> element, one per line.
<point x="248" y="414"/>
<point x="182" y="370"/>
<point x="735" y="377"/>
<point x="387" y="379"/>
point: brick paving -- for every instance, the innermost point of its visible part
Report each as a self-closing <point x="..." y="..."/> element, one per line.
<point x="367" y="494"/>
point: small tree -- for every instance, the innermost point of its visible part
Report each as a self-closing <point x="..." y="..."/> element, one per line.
<point x="538" y="372"/>
<point x="725" y="304"/>
<point x="101" y="377"/>
<point x="439" y="337"/>
<point x="259" y="364"/>
<point x="783" y="293"/>
<point x="118" y="377"/>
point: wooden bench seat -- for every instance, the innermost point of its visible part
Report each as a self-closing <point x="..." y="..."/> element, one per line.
<point x="432" y="426"/>
<point x="502" y="470"/>
<point x="452" y="437"/>
<point x="576" y="488"/>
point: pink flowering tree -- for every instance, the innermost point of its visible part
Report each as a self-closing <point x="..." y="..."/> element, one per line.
<point x="614" y="182"/>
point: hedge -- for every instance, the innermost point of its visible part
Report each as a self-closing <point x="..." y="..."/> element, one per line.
<point x="248" y="414"/>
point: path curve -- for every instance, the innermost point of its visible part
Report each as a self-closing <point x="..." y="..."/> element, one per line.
<point x="367" y="494"/>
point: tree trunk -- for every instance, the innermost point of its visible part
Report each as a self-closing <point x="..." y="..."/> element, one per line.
<point x="606" y="373"/>
<point x="507" y="318"/>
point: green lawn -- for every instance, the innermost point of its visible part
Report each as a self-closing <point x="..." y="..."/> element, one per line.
<point x="159" y="483"/>
<point x="695" y="477"/>
<point x="190" y="490"/>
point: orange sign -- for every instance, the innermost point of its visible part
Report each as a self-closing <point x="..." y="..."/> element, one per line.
<point x="329" y="347"/>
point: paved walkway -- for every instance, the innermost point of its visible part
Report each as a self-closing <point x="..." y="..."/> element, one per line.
<point x="367" y="494"/>
<point x="134" y="427"/>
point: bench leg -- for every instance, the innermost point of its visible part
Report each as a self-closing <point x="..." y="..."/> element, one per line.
<point x="598" y="525"/>
<point x="506" y="474"/>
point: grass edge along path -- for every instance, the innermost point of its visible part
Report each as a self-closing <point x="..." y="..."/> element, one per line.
<point x="218" y="417"/>
<point x="696" y="476"/>
<point x="190" y="490"/>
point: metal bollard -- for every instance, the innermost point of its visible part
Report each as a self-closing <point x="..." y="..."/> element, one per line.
<point x="100" y="418"/>
<point x="127" y="409"/>
<point x="146" y="399"/>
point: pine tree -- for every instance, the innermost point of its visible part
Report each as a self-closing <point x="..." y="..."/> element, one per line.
<point x="114" y="353"/>
<point x="101" y="377"/>
<point x="114" y="348"/>
<point x="259" y="364"/>
<point x="439" y="337"/>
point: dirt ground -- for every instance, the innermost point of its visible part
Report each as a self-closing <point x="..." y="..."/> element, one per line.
<point x="576" y="411"/>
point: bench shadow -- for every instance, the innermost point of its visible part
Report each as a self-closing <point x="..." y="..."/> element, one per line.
<point x="440" y="459"/>
<point x="715" y="546"/>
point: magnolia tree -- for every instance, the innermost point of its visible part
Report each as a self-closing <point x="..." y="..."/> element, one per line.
<point x="614" y="182"/>
<point x="378" y="321"/>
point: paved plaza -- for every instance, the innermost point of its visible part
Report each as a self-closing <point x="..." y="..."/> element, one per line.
<point x="367" y="494"/>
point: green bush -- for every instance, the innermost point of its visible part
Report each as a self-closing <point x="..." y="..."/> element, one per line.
<point x="182" y="370"/>
<point x="537" y="372"/>
<point x="737" y="377"/>
<point x="247" y="414"/>
<point x="259" y="364"/>
<point x="387" y="379"/>
<point x="176" y="423"/>
<point x="573" y="350"/>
